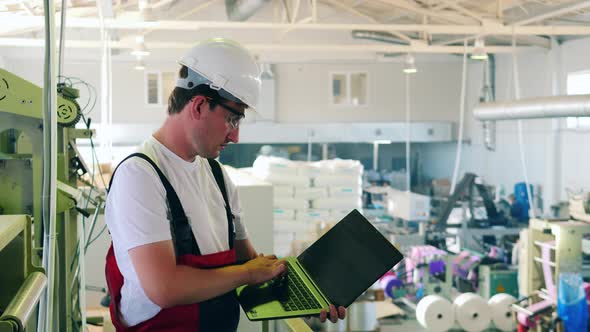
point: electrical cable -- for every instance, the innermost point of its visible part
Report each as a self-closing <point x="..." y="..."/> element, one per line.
<point x="461" y="120"/>
<point x="408" y="137"/>
<point x="519" y="125"/>
<point x="92" y="98"/>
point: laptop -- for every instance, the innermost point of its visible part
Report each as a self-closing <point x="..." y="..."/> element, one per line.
<point x="336" y="269"/>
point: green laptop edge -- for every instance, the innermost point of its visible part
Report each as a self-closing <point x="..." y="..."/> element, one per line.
<point x="274" y="308"/>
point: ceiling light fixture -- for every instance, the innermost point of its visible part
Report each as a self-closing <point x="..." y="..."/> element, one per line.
<point x="382" y="141"/>
<point x="140" y="65"/>
<point x="140" y="50"/>
<point x="410" y="67"/>
<point x="479" y="51"/>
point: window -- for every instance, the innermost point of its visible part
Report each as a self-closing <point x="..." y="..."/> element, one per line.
<point x="578" y="83"/>
<point x="159" y="85"/>
<point x="168" y="83"/>
<point x="349" y="89"/>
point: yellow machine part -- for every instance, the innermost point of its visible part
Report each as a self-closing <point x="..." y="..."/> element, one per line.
<point x="21" y="97"/>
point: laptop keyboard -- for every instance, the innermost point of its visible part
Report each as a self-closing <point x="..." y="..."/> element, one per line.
<point x="298" y="296"/>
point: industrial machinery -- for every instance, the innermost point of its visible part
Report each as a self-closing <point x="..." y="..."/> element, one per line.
<point x="483" y="274"/>
<point x="472" y="221"/>
<point x="548" y="248"/>
<point x="21" y="176"/>
<point x="23" y="283"/>
<point x="465" y="191"/>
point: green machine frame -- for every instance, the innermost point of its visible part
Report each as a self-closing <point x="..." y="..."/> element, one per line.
<point x="21" y="169"/>
<point x="23" y="283"/>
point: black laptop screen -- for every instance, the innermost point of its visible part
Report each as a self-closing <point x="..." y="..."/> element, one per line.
<point x="349" y="259"/>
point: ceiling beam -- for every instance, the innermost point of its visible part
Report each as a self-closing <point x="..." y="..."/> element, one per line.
<point x="553" y="12"/>
<point x="528" y="41"/>
<point x="463" y="10"/>
<point x="410" y="6"/>
<point x="105" y="8"/>
<point x="353" y="48"/>
<point x="486" y="29"/>
<point x="521" y="40"/>
<point x="371" y="19"/>
<point x="186" y="14"/>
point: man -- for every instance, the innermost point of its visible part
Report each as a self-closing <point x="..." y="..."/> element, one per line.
<point x="174" y="215"/>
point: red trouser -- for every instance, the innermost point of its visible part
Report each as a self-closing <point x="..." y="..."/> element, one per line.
<point x="218" y="314"/>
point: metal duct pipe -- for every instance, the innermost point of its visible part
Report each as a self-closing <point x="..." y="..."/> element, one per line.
<point x="241" y="10"/>
<point x="378" y="36"/>
<point x="489" y="135"/>
<point x="534" y="108"/>
<point x="489" y="95"/>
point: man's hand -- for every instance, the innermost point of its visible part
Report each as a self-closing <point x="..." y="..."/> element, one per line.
<point x="264" y="268"/>
<point x="334" y="314"/>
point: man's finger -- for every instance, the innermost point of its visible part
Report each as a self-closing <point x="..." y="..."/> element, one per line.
<point x="333" y="314"/>
<point x="323" y="315"/>
<point x="277" y="262"/>
<point x="280" y="269"/>
<point x="341" y="312"/>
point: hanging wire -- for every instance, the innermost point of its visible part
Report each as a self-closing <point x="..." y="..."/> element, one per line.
<point x="408" y="136"/>
<point x="461" y="120"/>
<point x="519" y="125"/>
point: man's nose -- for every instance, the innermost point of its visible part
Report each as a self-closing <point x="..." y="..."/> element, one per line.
<point x="234" y="135"/>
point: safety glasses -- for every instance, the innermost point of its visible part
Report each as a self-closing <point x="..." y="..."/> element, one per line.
<point x="234" y="118"/>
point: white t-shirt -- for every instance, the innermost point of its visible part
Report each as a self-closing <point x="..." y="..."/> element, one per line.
<point x="137" y="214"/>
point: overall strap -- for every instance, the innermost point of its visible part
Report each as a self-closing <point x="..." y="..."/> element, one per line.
<point x="180" y="229"/>
<point x="218" y="174"/>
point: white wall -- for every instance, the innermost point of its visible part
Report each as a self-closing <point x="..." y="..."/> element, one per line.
<point x="32" y="69"/>
<point x="503" y="166"/>
<point x="304" y="92"/>
<point x="129" y="104"/>
<point x="575" y="157"/>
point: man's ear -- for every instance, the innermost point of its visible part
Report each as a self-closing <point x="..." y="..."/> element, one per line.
<point x="196" y="105"/>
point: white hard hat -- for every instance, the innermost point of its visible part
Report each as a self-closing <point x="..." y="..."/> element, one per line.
<point x="225" y="66"/>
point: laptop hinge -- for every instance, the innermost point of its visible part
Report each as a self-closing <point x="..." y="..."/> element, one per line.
<point x="312" y="282"/>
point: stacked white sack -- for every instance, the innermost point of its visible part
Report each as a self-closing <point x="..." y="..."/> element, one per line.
<point x="284" y="207"/>
<point x="286" y="232"/>
<point x="343" y="178"/>
<point x="311" y="193"/>
<point x="339" y="214"/>
<point x="338" y="203"/>
<point x="336" y="186"/>
<point x="283" y="214"/>
<point x="313" y="215"/>
<point x="290" y="203"/>
<point x="283" y="191"/>
<point x="278" y="171"/>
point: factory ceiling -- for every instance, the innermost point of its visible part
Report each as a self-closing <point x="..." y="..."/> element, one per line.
<point x="335" y="28"/>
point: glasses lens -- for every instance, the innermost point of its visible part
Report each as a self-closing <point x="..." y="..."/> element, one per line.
<point x="234" y="120"/>
<point x="234" y="117"/>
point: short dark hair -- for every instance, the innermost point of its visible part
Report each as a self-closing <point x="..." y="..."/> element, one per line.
<point x="180" y="96"/>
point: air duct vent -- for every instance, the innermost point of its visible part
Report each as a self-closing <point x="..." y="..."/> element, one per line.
<point x="241" y="10"/>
